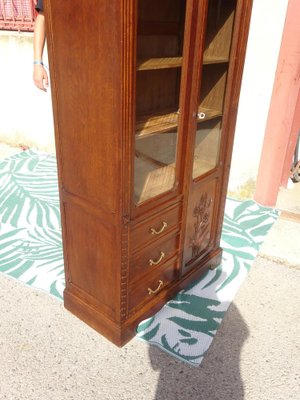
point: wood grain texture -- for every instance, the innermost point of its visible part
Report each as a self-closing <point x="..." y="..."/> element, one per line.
<point x="142" y="232"/>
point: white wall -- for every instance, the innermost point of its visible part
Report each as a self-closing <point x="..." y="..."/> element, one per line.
<point x="25" y="111"/>
<point x="267" y="22"/>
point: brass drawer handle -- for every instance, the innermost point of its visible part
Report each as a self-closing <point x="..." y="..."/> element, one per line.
<point x="150" y="291"/>
<point x="155" y="232"/>
<point x="152" y="262"/>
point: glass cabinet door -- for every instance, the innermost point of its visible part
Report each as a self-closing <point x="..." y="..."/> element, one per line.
<point x="219" y="29"/>
<point x="160" y="32"/>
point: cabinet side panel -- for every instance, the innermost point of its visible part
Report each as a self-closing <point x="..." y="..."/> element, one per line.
<point x="84" y="51"/>
<point x="90" y="253"/>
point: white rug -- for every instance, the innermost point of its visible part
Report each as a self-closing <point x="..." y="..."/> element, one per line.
<point x="31" y="251"/>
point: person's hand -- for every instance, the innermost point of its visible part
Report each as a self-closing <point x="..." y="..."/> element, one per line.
<point x="40" y="77"/>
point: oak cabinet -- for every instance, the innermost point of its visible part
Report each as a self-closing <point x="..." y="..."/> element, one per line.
<point x="145" y="96"/>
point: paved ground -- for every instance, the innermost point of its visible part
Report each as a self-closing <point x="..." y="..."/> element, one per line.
<point x="46" y="353"/>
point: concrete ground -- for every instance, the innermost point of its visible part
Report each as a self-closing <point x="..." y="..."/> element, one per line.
<point x="47" y="353"/>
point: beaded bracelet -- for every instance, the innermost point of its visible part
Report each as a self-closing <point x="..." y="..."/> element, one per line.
<point x="38" y="62"/>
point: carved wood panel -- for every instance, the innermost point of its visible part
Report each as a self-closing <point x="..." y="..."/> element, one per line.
<point x="200" y="222"/>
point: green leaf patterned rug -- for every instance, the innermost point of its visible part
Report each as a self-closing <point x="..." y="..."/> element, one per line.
<point x="31" y="251"/>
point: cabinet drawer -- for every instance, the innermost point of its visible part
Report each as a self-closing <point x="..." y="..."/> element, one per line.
<point x="153" y="256"/>
<point x="152" y="284"/>
<point x="155" y="227"/>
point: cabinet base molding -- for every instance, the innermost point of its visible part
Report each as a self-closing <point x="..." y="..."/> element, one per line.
<point x="95" y="319"/>
<point x="121" y="333"/>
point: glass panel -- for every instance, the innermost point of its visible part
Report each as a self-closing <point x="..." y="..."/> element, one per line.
<point x="159" y="61"/>
<point x="207" y="146"/>
<point x="220" y="19"/>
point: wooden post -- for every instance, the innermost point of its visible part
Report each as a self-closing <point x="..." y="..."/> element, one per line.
<point x="276" y="147"/>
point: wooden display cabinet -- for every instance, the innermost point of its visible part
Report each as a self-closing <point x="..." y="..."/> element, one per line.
<point x="145" y="96"/>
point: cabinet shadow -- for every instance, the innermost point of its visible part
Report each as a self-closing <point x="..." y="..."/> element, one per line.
<point x="218" y="376"/>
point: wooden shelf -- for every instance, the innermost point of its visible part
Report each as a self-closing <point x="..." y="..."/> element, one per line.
<point x="151" y="160"/>
<point x="214" y="60"/>
<point x="147" y="125"/>
<point x="174" y="62"/>
<point x="150" y="124"/>
<point x="159" y="63"/>
<point x="157" y="181"/>
<point x="209" y="114"/>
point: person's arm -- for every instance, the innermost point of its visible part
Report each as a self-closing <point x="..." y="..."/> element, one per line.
<point x="40" y="76"/>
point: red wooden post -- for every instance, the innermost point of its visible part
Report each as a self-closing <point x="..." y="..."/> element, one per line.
<point x="278" y="135"/>
<point x="291" y="145"/>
